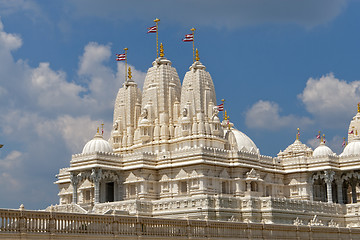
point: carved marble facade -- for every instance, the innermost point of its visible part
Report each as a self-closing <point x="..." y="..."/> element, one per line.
<point x="169" y="155"/>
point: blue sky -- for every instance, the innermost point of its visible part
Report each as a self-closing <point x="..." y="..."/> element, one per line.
<point x="278" y="64"/>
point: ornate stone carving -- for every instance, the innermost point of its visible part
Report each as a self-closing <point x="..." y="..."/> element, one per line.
<point x="315" y="221"/>
<point x="253" y="175"/>
<point x="329" y="176"/>
<point x="298" y="222"/>
<point x="332" y="223"/>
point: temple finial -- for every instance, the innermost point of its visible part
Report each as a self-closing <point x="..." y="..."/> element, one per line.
<point x="225" y="115"/>
<point x="298" y="134"/>
<point x="102" y="129"/>
<point x="228" y="118"/>
<point x="197" y="58"/>
<point x="358" y="106"/>
<point x="161" y="50"/>
<point x="98" y="130"/>
<point x="129" y="73"/>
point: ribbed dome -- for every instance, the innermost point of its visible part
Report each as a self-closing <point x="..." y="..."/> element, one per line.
<point x="352" y="148"/>
<point x="243" y="142"/>
<point x="322" y="150"/>
<point x="297" y="149"/>
<point x="97" y="144"/>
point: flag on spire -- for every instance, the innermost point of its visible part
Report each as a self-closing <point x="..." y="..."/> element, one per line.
<point x="318" y="136"/>
<point x="188" y="38"/>
<point x="220" y="107"/>
<point x="152" y="29"/>
<point x="120" y="57"/>
<point x="343" y="143"/>
<point x="351" y="132"/>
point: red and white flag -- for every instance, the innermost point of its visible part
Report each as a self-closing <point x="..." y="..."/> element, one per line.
<point x="318" y="136"/>
<point x="220" y="107"/>
<point x="120" y="57"/>
<point x="152" y="29"/>
<point x="188" y="38"/>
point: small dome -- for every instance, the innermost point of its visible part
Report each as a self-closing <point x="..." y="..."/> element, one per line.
<point x="322" y="150"/>
<point x="97" y="144"/>
<point x="243" y="142"/>
<point x="352" y="148"/>
<point x="297" y="149"/>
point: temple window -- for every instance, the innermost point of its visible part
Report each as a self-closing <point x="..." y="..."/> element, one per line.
<point x="109" y="187"/>
<point x="224" y="188"/>
<point x="87" y="196"/>
<point x="151" y="187"/>
<point x="254" y="186"/>
<point x="183" y="187"/>
<point x="268" y="191"/>
<point x="132" y="190"/>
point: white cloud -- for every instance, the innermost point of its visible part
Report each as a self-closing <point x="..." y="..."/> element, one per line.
<point x="46" y="117"/>
<point x="13" y="159"/>
<point x="230" y="14"/>
<point x="9" y="7"/>
<point x="75" y="131"/>
<point x="54" y="92"/>
<point x="331" y="100"/>
<point x="8" y="40"/>
<point x="266" y="115"/>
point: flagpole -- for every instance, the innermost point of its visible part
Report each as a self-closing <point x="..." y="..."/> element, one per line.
<point x="125" y="49"/>
<point x="157" y="37"/>
<point x="193" y="33"/>
<point x="223" y="101"/>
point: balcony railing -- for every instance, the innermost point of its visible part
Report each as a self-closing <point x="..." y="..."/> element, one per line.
<point x="36" y="223"/>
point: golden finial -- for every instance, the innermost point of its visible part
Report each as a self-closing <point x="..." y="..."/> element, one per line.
<point x="197" y="55"/>
<point x="102" y="129"/>
<point x="298" y="134"/>
<point x="225" y="115"/>
<point x="359" y="107"/>
<point x="156" y="20"/>
<point x="323" y="138"/>
<point x="356" y="133"/>
<point x="161" y="50"/>
<point x="228" y="118"/>
<point x="129" y="73"/>
<point x="98" y="130"/>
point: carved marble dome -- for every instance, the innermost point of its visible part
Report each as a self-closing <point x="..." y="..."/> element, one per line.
<point x="243" y="142"/>
<point x="352" y="148"/>
<point x="322" y="150"/>
<point x="97" y="144"/>
<point x="297" y="149"/>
